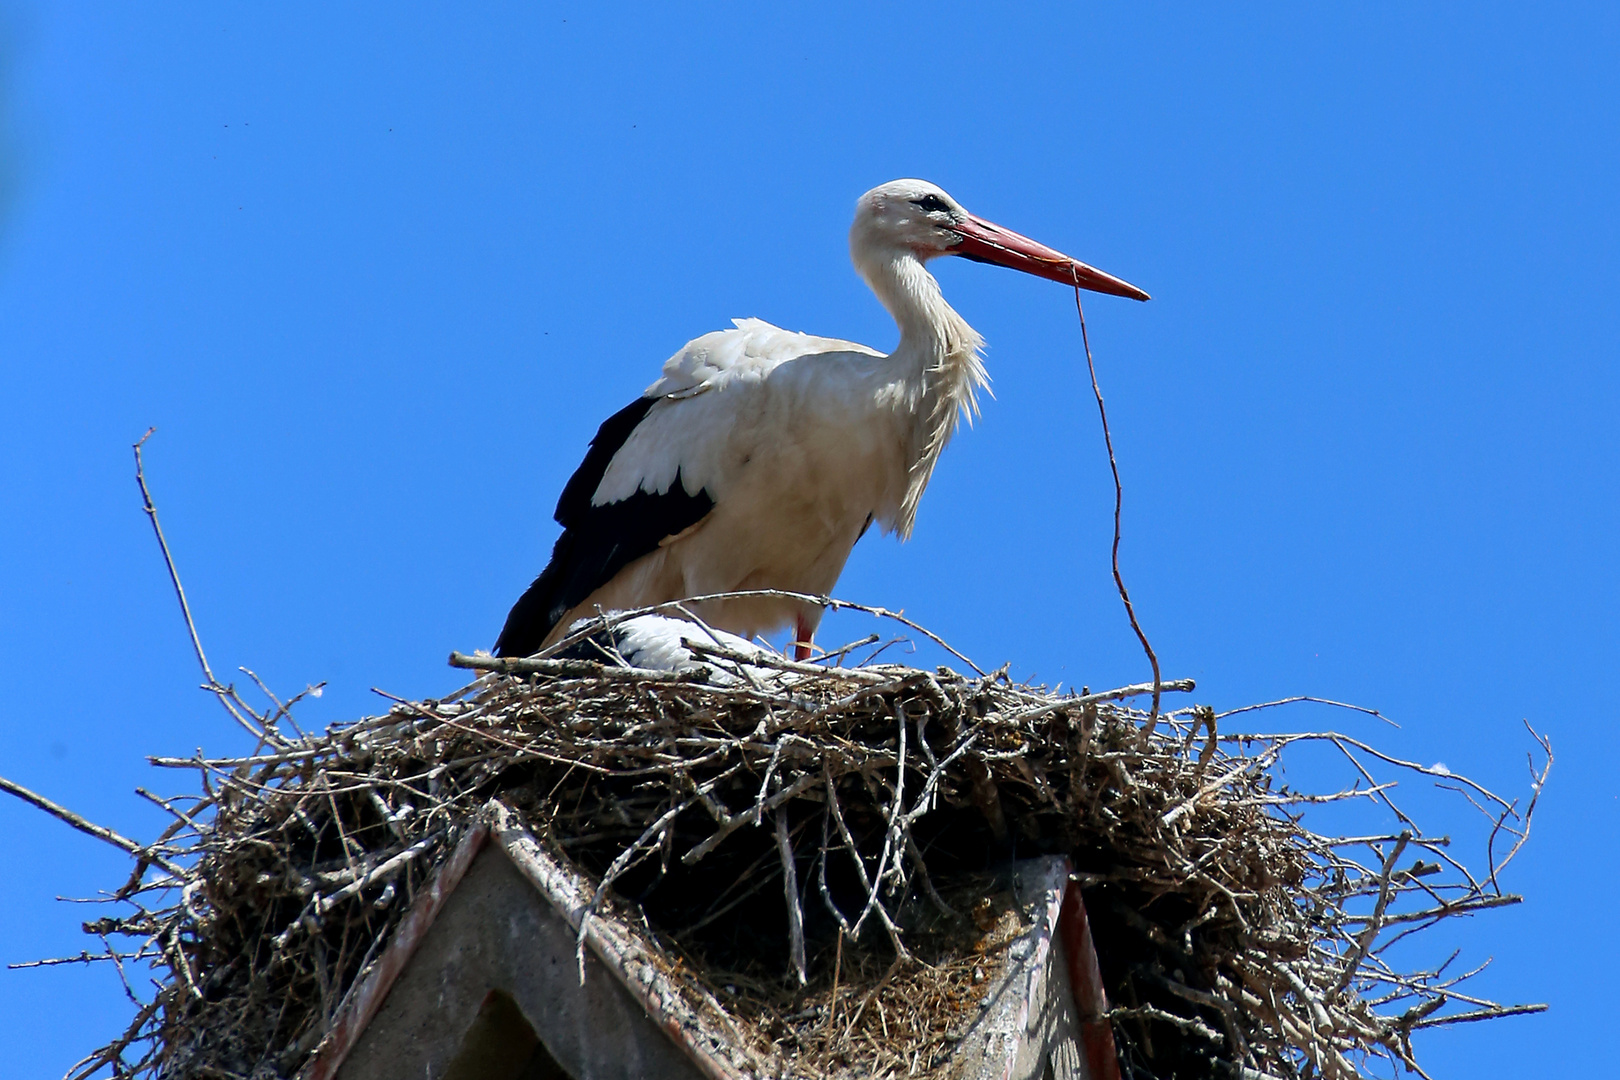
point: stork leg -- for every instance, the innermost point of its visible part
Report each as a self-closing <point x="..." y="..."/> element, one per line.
<point x="803" y="635"/>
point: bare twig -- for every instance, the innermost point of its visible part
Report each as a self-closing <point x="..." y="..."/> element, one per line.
<point x="1298" y="698"/>
<point x="1495" y="1012"/>
<point x="90" y="828"/>
<point x="790" y="887"/>
<point x="223" y="693"/>
<point x="1364" y="940"/>
<point x="1119" y="504"/>
<point x="168" y="560"/>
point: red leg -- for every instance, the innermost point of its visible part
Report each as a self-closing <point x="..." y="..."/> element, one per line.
<point x="802" y="637"/>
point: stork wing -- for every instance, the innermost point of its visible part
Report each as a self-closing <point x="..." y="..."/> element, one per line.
<point x="654" y="470"/>
<point x="597" y="541"/>
<point x="707" y="390"/>
<point x="749" y="351"/>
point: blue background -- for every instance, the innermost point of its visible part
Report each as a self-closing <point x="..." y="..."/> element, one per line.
<point x="377" y="275"/>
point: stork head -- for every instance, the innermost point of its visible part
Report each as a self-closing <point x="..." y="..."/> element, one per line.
<point x="916" y="217"/>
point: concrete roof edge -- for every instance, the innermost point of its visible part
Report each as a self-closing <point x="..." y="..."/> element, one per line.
<point x="363" y="1000"/>
<point x="703" y="1038"/>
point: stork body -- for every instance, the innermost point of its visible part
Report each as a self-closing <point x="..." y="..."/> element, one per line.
<point x="762" y="455"/>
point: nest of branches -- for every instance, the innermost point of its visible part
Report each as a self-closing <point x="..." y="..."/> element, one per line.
<point x="1231" y="936"/>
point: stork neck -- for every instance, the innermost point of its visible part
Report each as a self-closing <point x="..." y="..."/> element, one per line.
<point x="935" y="369"/>
<point x="930" y="329"/>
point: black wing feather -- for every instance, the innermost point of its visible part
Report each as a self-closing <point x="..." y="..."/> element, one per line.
<point x="597" y="541"/>
<point x="574" y="504"/>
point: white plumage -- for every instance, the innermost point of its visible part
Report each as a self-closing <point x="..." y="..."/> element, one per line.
<point x="761" y="455"/>
<point x="662" y="643"/>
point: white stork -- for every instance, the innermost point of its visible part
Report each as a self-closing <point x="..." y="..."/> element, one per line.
<point x="761" y="456"/>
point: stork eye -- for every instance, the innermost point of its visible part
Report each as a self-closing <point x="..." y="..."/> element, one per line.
<point x="932" y="204"/>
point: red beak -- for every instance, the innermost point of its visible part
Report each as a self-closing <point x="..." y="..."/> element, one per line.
<point x="984" y="242"/>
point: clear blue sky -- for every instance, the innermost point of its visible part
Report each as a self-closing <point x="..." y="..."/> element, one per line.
<point x="376" y="277"/>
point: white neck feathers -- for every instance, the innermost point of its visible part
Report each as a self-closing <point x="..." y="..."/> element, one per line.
<point x="937" y="368"/>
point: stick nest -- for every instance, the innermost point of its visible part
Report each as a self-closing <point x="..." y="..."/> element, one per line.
<point x="1230" y="935"/>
